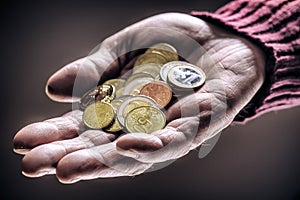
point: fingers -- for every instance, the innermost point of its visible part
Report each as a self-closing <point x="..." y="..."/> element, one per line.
<point x="60" y="128"/>
<point x="97" y="162"/>
<point x="192" y="120"/>
<point x="70" y="82"/>
<point x="172" y="142"/>
<point x="60" y="85"/>
<point x="43" y="159"/>
<point x="140" y="141"/>
<point x="109" y="59"/>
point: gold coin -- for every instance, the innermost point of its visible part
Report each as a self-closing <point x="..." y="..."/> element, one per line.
<point x="152" y="69"/>
<point x="98" y="115"/>
<point x="184" y="75"/>
<point x="164" y="49"/>
<point x="145" y="119"/>
<point x="117" y="82"/>
<point x="102" y="92"/>
<point x="134" y="104"/>
<point x="116" y="126"/>
<point x="119" y="92"/>
<point x="121" y="112"/>
<point x="163" y="46"/>
<point x="150" y="58"/>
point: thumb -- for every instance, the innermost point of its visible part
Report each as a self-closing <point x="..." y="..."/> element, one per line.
<point x="69" y="83"/>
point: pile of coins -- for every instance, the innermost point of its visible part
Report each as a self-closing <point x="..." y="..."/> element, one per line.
<point x="137" y="103"/>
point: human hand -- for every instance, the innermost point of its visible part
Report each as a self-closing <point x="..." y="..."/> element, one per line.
<point x="54" y="146"/>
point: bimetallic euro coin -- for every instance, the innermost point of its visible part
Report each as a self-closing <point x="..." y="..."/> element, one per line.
<point x="145" y="119"/>
<point x="98" y="115"/>
<point x="165" y="70"/>
<point x="159" y="92"/>
<point x="137" y="100"/>
<point x="184" y="75"/>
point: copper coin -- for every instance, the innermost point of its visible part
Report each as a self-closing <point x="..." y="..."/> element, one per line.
<point x="158" y="91"/>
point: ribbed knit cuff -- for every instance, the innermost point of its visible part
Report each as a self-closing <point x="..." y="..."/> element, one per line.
<point x="274" y="25"/>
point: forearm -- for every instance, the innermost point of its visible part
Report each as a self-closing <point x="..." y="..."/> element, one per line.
<point x="275" y="27"/>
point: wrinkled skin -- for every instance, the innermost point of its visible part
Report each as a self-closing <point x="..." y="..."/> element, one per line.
<point x="54" y="146"/>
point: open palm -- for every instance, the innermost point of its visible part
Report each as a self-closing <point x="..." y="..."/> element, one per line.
<point x="234" y="71"/>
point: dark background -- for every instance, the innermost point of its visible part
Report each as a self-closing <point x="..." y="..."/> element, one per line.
<point x="259" y="160"/>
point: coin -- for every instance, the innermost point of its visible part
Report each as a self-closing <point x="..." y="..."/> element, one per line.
<point x="152" y="69"/>
<point x="117" y="82"/>
<point x="150" y="58"/>
<point x="165" y="70"/>
<point x="99" y="93"/>
<point x="137" y="76"/>
<point x="135" y="86"/>
<point x="119" y="92"/>
<point x="159" y="92"/>
<point x="134" y="104"/>
<point x="164" y="49"/>
<point x="120" y="111"/>
<point x="116" y="126"/>
<point x="136" y="82"/>
<point x="124" y="97"/>
<point x="145" y="119"/>
<point x="98" y="115"/>
<point x="184" y="75"/>
<point x="163" y="46"/>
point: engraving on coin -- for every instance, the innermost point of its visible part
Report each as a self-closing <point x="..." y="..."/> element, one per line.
<point x="145" y="119"/>
<point x="159" y="92"/>
<point x="98" y="93"/>
<point x="185" y="75"/>
<point x="121" y="108"/>
<point x="134" y="104"/>
<point x="98" y="115"/>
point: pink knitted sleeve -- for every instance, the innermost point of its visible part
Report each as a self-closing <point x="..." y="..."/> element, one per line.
<point x="275" y="26"/>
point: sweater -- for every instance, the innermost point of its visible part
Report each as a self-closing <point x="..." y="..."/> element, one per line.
<point x="274" y="25"/>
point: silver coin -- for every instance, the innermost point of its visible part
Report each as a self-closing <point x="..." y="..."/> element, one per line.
<point x="165" y="70"/>
<point x="185" y="75"/>
<point x="134" y="85"/>
<point x="124" y="97"/>
<point x="152" y="69"/>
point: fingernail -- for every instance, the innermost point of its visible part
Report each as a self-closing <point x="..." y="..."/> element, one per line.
<point x="36" y="174"/>
<point x="20" y="150"/>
